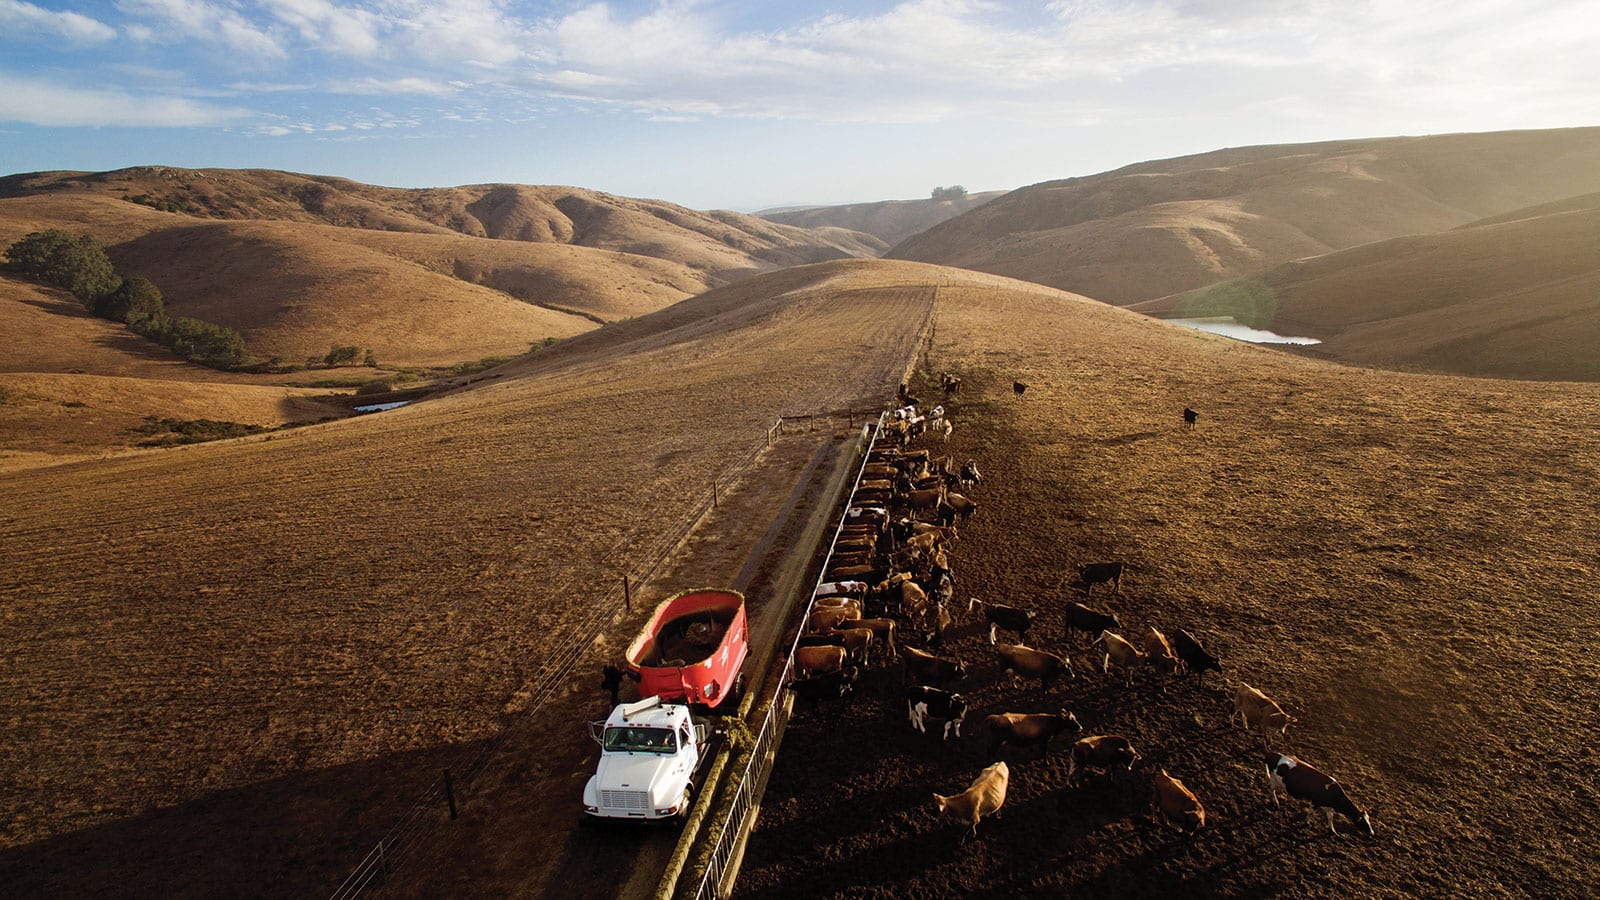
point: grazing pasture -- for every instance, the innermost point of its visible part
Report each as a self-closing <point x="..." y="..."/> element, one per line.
<point x="1407" y="563"/>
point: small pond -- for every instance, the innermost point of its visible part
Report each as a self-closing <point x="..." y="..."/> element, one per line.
<point x="1228" y="327"/>
<point x="380" y="407"/>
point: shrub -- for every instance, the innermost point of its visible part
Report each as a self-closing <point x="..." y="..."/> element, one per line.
<point x="341" y="355"/>
<point x="376" y="386"/>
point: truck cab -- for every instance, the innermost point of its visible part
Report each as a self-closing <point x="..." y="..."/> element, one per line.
<point x="650" y="752"/>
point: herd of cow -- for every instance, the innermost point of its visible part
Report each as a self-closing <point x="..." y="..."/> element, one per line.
<point x="889" y="573"/>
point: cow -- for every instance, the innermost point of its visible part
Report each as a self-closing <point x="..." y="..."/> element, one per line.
<point x="882" y="633"/>
<point x="924" y="703"/>
<point x="818" y="660"/>
<point x="1189" y="417"/>
<point x="1194" y="657"/>
<point x="829" y="618"/>
<point x="925" y="500"/>
<point x="999" y="615"/>
<point x="1026" y="662"/>
<point x="867" y="572"/>
<point x="1026" y="729"/>
<point x="1082" y="618"/>
<point x="925" y="668"/>
<point x="969" y="474"/>
<point x="1097" y="573"/>
<point x="851" y="603"/>
<point x="912" y="598"/>
<point x="1102" y="751"/>
<point x="942" y="428"/>
<point x="829" y="686"/>
<point x="1018" y="388"/>
<point x="983" y="797"/>
<point x="1158" y="653"/>
<point x="963" y="506"/>
<point x="1119" y="652"/>
<point x="857" y="642"/>
<point x="950" y="383"/>
<point x="1302" y="782"/>
<point x="857" y="589"/>
<point x="1176" y="804"/>
<point x="1249" y="703"/>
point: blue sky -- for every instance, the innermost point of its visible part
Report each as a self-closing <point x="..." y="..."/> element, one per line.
<point x="742" y="105"/>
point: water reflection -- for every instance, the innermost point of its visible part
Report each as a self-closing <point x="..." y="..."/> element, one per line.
<point x="1228" y="327"/>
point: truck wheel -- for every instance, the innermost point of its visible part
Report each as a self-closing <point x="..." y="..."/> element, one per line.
<point x="736" y="696"/>
<point x="683" y="808"/>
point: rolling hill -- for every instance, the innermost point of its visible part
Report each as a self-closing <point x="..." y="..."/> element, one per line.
<point x="298" y="263"/>
<point x="1513" y="296"/>
<point x="1157" y="228"/>
<point x="891" y="221"/>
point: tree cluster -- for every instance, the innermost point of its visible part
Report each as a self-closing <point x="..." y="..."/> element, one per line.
<point x="953" y="192"/>
<point x="80" y="265"/>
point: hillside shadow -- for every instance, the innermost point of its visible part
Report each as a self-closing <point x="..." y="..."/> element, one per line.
<point x="298" y="835"/>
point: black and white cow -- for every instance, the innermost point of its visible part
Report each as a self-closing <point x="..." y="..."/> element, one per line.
<point x="924" y="703"/>
<point x="1300" y="781"/>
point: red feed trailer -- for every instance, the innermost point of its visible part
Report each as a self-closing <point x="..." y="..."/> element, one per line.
<point x="691" y="649"/>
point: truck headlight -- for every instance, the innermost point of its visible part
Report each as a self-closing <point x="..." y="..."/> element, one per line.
<point x="667" y="812"/>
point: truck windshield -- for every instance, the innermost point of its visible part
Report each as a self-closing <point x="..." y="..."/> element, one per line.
<point x="647" y="740"/>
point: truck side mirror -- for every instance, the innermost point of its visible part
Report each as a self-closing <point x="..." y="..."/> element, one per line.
<point x="699" y="733"/>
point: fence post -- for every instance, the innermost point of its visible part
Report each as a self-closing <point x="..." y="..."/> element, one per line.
<point x="627" y="593"/>
<point x="713" y="493"/>
<point x="450" y="795"/>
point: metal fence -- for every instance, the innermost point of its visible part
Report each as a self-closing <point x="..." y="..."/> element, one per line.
<point x="428" y="814"/>
<point x="752" y="781"/>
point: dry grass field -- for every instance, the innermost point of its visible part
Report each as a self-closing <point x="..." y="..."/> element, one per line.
<point x="1408" y="563"/>
<point x="1511" y="297"/>
<point x="229" y="665"/>
<point x="1162" y="227"/>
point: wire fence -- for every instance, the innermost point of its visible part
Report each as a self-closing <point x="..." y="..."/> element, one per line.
<point x="646" y="556"/>
<point x="752" y="781"/>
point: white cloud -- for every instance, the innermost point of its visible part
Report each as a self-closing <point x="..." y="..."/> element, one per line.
<point x="17" y="16"/>
<point x="422" y="86"/>
<point x="42" y="103"/>
<point x="206" y="22"/>
<point x="340" y="29"/>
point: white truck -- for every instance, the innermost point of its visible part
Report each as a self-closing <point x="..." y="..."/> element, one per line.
<point x="650" y="753"/>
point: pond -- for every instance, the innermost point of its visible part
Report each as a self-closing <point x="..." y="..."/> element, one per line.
<point x="1228" y="327"/>
<point x="380" y="407"/>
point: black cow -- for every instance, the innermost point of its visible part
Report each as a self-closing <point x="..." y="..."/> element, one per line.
<point x="1195" y="658"/>
<point x="1300" y="781"/>
<point x="924" y="703"/>
<point x="1018" y="388"/>
<point x="1082" y="618"/>
<point x="1098" y="573"/>
<point x="1189" y="417"/>
<point x="830" y="686"/>
<point x="998" y="615"/>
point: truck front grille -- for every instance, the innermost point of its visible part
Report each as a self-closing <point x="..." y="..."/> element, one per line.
<point x="630" y="800"/>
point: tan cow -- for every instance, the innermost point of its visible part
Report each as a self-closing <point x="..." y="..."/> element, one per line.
<point x="1119" y="653"/>
<point x="1250" y="704"/>
<point x="983" y="797"/>
<point x="1177" y="805"/>
<point x="1158" y="652"/>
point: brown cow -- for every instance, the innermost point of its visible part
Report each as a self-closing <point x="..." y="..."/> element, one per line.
<point x="818" y="660"/>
